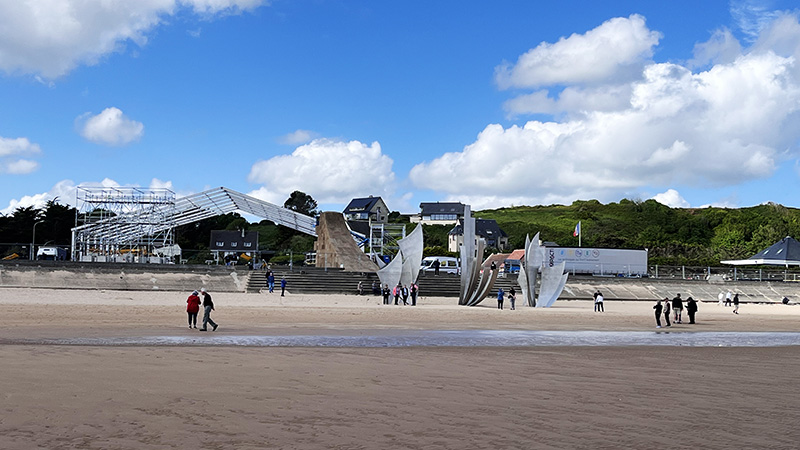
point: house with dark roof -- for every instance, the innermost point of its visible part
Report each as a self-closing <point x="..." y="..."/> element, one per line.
<point x="439" y="213"/>
<point x="368" y="209"/>
<point x="488" y="229"/>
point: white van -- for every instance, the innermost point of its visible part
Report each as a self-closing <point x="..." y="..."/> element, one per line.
<point x="447" y="264"/>
<point x="51" y="253"/>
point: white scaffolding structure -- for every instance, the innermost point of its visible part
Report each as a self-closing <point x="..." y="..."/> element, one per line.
<point x="121" y="222"/>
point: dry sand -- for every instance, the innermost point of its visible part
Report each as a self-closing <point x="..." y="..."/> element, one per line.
<point x="101" y="397"/>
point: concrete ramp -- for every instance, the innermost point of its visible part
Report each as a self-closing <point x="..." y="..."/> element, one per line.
<point x="336" y="247"/>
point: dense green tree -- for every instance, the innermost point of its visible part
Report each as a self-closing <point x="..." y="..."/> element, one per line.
<point x="302" y="203"/>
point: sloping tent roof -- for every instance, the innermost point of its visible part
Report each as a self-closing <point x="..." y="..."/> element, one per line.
<point x="193" y="208"/>
<point x="785" y="252"/>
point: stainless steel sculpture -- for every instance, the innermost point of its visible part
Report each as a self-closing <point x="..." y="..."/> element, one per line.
<point x="404" y="267"/>
<point x="553" y="278"/>
<point x="475" y="284"/>
<point x="553" y="281"/>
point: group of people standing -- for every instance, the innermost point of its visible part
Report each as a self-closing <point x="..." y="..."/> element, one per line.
<point x="193" y="307"/>
<point x="401" y="292"/>
<point x="731" y="301"/>
<point x="676" y="308"/>
<point x="598" y="301"/>
<point x="271" y="282"/>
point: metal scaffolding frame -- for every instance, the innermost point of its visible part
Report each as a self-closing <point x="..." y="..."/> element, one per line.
<point x="127" y="220"/>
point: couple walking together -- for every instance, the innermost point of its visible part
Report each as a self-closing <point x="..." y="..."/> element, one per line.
<point x="193" y="307"/>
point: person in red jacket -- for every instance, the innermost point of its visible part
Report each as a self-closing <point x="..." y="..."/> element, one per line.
<point x="193" y="307"/>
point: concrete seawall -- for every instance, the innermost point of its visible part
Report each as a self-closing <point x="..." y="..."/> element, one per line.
<point x="134" y="277"/>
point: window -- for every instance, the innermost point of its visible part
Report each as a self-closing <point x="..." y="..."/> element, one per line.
<point x="443" y="217"/>
<point x="234" y="244"/>
<point x="220" y="244"/>
<point x="248" y="244"/>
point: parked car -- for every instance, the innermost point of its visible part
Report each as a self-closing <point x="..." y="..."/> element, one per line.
<point x="447" y="264"/>
<point x="51" y="253"/>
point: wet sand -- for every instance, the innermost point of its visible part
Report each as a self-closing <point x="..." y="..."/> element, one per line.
<point x="103" y="397"/>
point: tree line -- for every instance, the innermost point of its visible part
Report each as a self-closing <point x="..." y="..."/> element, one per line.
<point x="673" y="236"/>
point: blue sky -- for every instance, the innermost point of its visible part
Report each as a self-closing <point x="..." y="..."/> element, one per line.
<point x="492" y="104"/>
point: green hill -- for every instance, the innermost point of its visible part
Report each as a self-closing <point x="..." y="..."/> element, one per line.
<point x="674" y="236"/>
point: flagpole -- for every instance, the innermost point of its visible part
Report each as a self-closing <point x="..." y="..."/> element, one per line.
<point x="580" y="233"/>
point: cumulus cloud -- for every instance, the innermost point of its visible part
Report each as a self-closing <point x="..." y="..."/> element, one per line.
<point x="13" y="154"/>
<point x="298" y="137"/>
<point x="671" y="198"/>
<point x="330" y="171"/>
<point x="733" y="122"/>
<point x="49" y="38"/>
<point x="110" y="127"/>
<point x="616" y="49"/>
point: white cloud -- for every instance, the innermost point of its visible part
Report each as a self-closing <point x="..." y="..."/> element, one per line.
<point x="110" y="127"/>
<point x="616" y="49"/>
<point x="721" y="48"/>
<point x="731" y="123"/>
<point x="64" y="190"/>
<point x="671" y="198"/>
<point x="298" y="137"/>
<point x="51" y="37"/>
<point x="14" y="153"/>
<point x="155" y="183"/>
<point x="330" y="171"/>
<point x="20" y="167"/>
<point x="752" y="16"/>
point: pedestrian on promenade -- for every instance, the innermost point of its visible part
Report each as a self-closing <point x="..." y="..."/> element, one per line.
<point x="192" y="308"/>
<point x="414" y="292"/>
<point x="271" y="281"/>
<point x="500" y="295"/>
<point x="691" y="308"/>
<point x="677" y="308"/>
<point x="283" y="285"/>
<point x="728" y="298"/>
<point x="398" y="291"/>
<point x="386" y="292"/>
<point x="666" y="312"/>
<point x="658" y="310"/>
<point x="208" y="306"/>
<point x="376" y="289"/>
<point x="512" y="297"/>
<point x="405" y="295"/>
<point x="598" y="302"/>
<point x="736" y="303"/>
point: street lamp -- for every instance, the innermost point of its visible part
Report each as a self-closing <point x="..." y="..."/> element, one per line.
<point x="33" y="239"/>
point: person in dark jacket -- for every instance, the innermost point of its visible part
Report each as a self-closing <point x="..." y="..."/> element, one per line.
<point x="414" y="292"/>
<point x="386" y="293"/>
<point x="666" y="312"/>
<point x="691" y="308"/>
<point x="677" y="308"/>
<point x="283" y="285"/>
<point x="736" y="303"/>
<point x="192" y="308"/>
<point x="208" y="306"/>
<point x="658" y="310"/>
<point x="500" y="295"/>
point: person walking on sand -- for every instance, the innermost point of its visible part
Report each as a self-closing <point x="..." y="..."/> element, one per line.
<point x="666" y="312"/>
<point x="398" y="291"/>
<point x="386" y="293"/>
<point x="728" y="298"/>
<point x="271" y="281"/>
<point x="500" y="295"/>
<point x="208" y="306"/>
<point x="691" y="308"/>
<point x="405" y="295"/>
<point x="598" y="302"/>
<point x="658" y="310"/>
<point x="283" y="285"/>
<point x="677" y="309"/>
<point x="414" y="292"/>
<point x="736" y="303"/>
<point x="512" y="297"/>
<point x="192" y="308"/>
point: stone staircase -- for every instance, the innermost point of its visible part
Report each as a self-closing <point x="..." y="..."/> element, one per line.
<point x="314" y="280"/>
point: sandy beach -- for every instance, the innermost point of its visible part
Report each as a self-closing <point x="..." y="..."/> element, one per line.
<point x="101" y="397"/>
